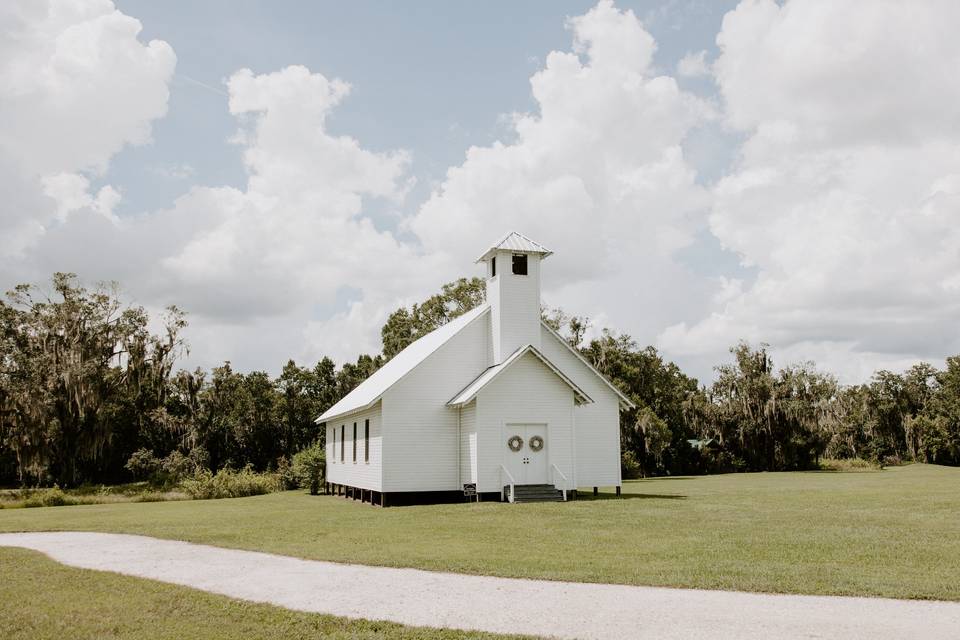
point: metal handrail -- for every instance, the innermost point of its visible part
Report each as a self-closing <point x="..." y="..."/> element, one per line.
<point x="503" y="470"/>
<point x="566" y="482"/>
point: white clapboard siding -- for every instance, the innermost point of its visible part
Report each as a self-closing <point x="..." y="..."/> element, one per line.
<point x="515" y="305"/>
<point x="468" y="443"/>
<point x="421" y="442"/>
<point x="361" y="474"/>
<point x="597" y="425"/>
<point x="527" y="392"/>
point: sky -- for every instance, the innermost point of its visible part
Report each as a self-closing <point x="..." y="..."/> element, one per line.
<point x="290" y="173"/>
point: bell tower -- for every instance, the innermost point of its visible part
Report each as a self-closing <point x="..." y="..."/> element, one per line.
<point x="513" y="292"/>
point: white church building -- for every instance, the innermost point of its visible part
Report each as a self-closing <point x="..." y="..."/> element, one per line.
<point x="494" y="403"/>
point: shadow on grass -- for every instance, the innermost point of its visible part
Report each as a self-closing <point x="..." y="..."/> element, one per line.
<point x="631" y="496"/>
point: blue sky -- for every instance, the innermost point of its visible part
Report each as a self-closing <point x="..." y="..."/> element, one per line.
<point x="430" y="77"/>
<point x="289" y="173"/>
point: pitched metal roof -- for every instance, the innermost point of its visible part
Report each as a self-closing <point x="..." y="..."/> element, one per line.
<point x="518" y="242"/>
<point x="371" y="389"/>
<point x="471" y="390"/>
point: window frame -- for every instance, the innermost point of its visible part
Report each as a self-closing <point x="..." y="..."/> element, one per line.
<point x="493" y="267"/>
<point x="343" y="435"/>
<point x="333" y="442"/>
<point x="366" y="441"/>
<point x="354" y="443"/>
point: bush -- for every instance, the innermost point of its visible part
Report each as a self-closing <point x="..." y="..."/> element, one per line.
<point x="227" y="483"/>
<point x="721" y="461"/>
<point x="629" y="467"/>
<point x="167" y="471"/>
<point x="94" y="494"/>
<point x="177" y="466"/>
<point x="143" y="464"/>
<point x="286" y="474"/>
<point x="309" y="467"/>
<point x="893" y="460"/>
<point x="848" y="464"/>
<point x="53" y="497"/>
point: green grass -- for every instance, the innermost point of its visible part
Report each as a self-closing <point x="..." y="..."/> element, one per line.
<point x="204" y="485"/>
<point x="41" y="599"/>
<point x="88" y="494"/>
<point x="889" y="533"/>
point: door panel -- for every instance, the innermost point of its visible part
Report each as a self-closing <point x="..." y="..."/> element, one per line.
<point x="536" y="467"/>
<point x="513" y="460"/>
<point x="526" y="465"/>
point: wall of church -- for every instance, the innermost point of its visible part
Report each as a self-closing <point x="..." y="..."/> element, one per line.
<point x="468" y="443"/>
<point x="421" y="438"/>
<point x="597" y="425"/>
<point x="527" y="392"/>
<point x="343" y="467"/>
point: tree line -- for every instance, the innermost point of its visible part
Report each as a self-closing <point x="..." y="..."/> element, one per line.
<point x="755" y="417"/>
<point x="89" y="394"/>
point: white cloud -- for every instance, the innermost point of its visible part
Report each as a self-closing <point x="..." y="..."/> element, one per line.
<point x="597" y="173"/>
<point x="861" y="72"/>
<point x="293" y="254"/>
<point x="846" y="196"/>
<point x="76" y="85"/>
<point x="260" y="259"/>
<point x="297" y="234"/>
<point x="693" y="65"/>
<point x="71" y="192"/>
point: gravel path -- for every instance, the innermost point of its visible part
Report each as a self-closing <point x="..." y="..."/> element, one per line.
<point x="537" y="607"/>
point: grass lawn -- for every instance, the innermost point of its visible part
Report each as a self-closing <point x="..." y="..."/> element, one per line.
<point x="42" y="599"/>
<point x="89" y="494"/>
<point x="892" y="533"/>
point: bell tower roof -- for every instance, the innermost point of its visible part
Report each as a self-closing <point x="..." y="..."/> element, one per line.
<point x="516" y="242"/>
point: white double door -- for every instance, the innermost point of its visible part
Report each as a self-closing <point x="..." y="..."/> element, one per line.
<point x="526" y="465"/>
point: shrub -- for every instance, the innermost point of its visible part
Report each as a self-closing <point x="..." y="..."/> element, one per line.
<point x="177" y="466"/>
<point x="893" y="460"/>
<point x="227" y="483"/>
<point x="721" y="461"/>
<point x="90" y="494"/>
<point x="848" y="464"/>
<point x="166" y="471"/>
<point x="53" y="497"/>
<point x="286" y="474"/>
<point x="309" y="467"/>
<point x="629" y="467"/>
<point x="143" y="464"/>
